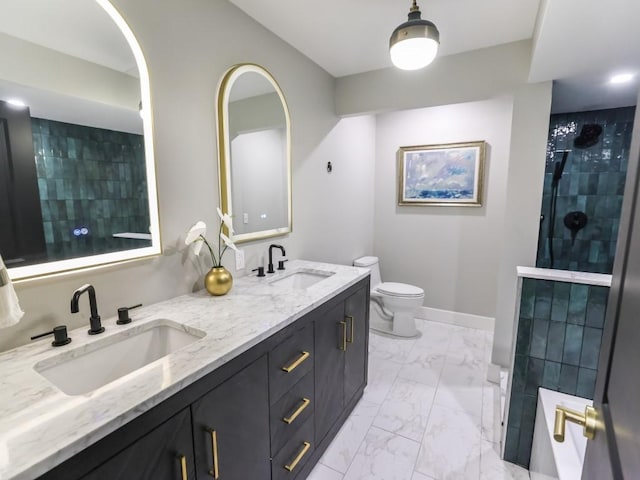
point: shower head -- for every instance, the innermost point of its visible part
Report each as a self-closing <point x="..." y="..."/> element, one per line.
<point x="589" y="136"/>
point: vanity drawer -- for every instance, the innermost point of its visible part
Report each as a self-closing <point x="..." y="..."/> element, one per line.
<point x="290" y="460"/>
<point x="291" y="412"/>
<point x="289" y="362"/>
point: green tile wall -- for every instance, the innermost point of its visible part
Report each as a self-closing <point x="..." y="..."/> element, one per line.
<point x="93" y="178"/>
<point x="592" y="182"/>
<point x="557" y="347"/>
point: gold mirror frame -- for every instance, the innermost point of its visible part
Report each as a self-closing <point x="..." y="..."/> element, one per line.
<point x="224" y="149"/>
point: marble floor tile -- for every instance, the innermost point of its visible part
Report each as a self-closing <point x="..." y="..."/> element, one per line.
<point x="382" y="374"/>
<point x="491" y="421"/>
<point x="345" y="445"/>
<point x="406" y="410"/>
<point x="450" y="446"/>
<point x="462" y="375"/>
<point x="428" y="413"/>
<point x="493" y="468"/>
<point x="463" y="399"/>
<point x="420" y="476"/>
<point x="423" y="365"/>
<point x="383" y="456"/>
<point x="389" y="348"/>
<point x="435" y="336"/>
<point x="320" y="472"/>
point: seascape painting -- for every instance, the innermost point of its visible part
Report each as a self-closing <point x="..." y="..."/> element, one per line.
<point x="448" y="174"/>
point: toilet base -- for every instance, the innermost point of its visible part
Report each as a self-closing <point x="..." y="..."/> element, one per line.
<point x="401" y="325"/>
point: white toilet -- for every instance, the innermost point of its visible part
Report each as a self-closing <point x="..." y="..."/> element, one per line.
<point x="393" y="305"/>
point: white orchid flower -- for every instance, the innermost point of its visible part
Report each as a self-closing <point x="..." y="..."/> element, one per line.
<point x="226" y="219"/>
<point x="227" y="241"/>
<point x="197" y="246"/>
<point x="196" y="237"/>
<point x="199" y="228"/>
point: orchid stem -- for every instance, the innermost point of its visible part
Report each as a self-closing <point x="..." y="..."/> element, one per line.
<point x="213" y="257"/>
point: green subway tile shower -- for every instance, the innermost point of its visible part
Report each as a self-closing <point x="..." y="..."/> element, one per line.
<point x="560" y="324"/>
<point x="591" y="182"/>
<point x="92" y="184"/>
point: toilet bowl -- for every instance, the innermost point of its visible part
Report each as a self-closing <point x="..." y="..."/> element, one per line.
<point x="393" y="305"/>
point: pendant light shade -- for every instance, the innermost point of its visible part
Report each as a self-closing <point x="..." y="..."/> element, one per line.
<point x="414" y="44"/>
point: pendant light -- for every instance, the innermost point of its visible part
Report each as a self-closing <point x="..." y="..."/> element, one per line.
<point x="414" y="44"/>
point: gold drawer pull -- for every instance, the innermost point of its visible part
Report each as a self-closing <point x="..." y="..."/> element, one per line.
<point x="214" y="453"/>
<point x="350" y="317"/>
<point x="303" y="356"/>
<point x="305" y="403"/>
<point x="343" y="344"/>
<point x="292" y="465"/>
<point x="183" y="466"/>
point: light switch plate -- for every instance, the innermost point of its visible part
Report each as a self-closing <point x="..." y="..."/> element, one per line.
<point x="239" y="259"/>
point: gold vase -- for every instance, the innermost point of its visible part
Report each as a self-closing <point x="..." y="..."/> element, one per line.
<point x="218" y="281"/>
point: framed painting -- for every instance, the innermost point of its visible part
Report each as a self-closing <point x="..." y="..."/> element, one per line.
<point x="442" y="175"/>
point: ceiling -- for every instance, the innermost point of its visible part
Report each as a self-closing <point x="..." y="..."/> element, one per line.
<point x="577" y="42"/>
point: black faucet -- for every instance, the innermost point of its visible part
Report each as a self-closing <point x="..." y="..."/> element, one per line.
<point x="270" y="266"/>
<point x="94" y="320"/>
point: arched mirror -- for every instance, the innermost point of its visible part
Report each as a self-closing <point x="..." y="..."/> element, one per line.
<point x="254" y="151"/>
<point x="74" y="96"/>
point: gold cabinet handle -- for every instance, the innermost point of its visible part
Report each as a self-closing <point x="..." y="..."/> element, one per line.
<point x="343" y="343"/>
<point x="586" y="419"/>
<point x="290" y="368"/>
<point x="183" y="466"/>
<point x="214" y="453"/>
<point x="350" y="339"/>
<point x="305" y="447"/>
<point x="305" y="403"/>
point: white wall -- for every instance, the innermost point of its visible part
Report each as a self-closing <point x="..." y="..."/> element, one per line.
<point x="530" y="127"/>
<point x="453" y="253"/>
<point x="339" y="206"/>
<point x="188" y="49"/>
<point x="466" y="77"/>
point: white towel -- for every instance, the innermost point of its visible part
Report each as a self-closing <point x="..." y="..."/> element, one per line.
<point x="10" y="311"/>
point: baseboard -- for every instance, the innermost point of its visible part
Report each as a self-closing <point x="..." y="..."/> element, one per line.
<point x="456" y="318"/>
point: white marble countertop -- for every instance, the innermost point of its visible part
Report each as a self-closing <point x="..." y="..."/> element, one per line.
<point x="40" y="426"/>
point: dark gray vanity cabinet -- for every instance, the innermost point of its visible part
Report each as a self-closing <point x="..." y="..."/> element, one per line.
<point x="341" y="341"/>
<point x="165" y="453"/>
<point x="268" y="414"/>
<point x="231" y="427"/>
<point x="356" y="311"/>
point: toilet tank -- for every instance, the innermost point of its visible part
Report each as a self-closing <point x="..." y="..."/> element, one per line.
<point x="372" y="264"/>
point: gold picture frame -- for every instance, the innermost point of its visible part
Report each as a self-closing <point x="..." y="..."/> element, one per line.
<point x="448" y="175"/>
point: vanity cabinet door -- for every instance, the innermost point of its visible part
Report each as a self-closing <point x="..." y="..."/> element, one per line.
<point x="330" y="341"/>
<point x="165" y="453"/>
<point x="355" y="369"/>
<point x="231" y="427"/>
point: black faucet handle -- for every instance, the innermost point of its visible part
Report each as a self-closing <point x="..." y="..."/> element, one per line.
<point x="60" y="336"/>
<point x="260" y="271"/>
<point x="281" y="264"/>
<point x="123" y="314"/>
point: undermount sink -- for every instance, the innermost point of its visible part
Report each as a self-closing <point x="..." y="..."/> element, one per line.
<point x="85" y="369"/>
<point x="301" y="279"/>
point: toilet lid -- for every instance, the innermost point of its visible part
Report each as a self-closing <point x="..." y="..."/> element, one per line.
<point x="400" y="289"/>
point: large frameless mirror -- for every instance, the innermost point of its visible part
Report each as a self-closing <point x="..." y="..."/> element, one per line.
<point x="77" y="172"/>
<point x="254" y="151"/>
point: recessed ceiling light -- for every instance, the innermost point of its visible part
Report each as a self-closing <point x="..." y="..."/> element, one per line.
<point x="16" y="103"/>
<point x="622" y="78"/>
